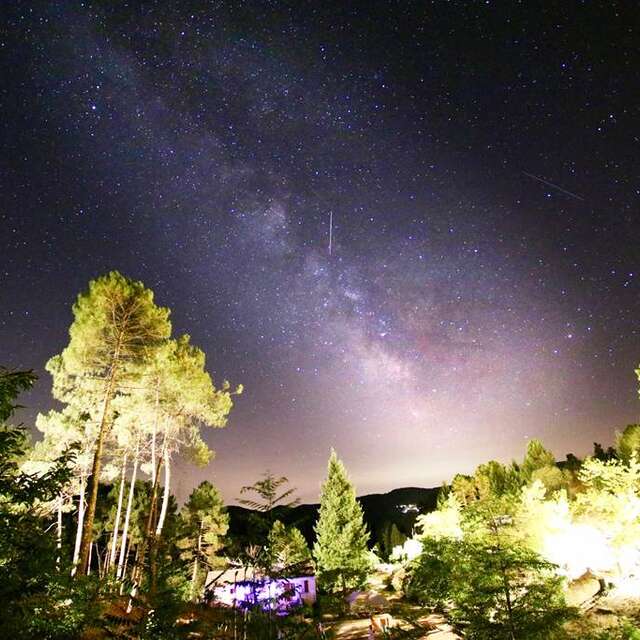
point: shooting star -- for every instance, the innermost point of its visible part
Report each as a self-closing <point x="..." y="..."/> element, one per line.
<point x="330" y="231"/>
<point x="553" y="186"/>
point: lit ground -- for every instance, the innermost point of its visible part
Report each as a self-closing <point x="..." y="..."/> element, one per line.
<point x="435" y="628"/>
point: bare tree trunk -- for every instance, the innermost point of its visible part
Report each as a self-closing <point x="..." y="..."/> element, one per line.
<point x="166" y="490"/>
<point x="147" y="540"/>
<point x="89" y="560"/>
<point x="126" y="560"/>
<point x="76" y="549"/>
<point x="59" y="532"/>
<point x="127" y="518"/>
<point x="154" y="433"/>
<point x="94" y="478"/>
<point x="116" y="525"/>
<point x="124" y="568"/>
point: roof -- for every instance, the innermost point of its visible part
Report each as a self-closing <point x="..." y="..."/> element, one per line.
<point x="232" y="575"/>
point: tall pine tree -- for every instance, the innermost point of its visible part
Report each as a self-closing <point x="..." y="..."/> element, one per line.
<point x="115" y="328"/>
<point x="340" y="551"/>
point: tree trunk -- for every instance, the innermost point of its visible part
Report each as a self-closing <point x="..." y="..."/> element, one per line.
<point x="166" y="490"/>
<point x="76" y="550"/>
<point x="59" y="532"/>
<point x="116" y="525"/>
<point x="507" y="595"/>
<point x="154" y="433"/>
<point x="147" y="540"/>
<point x="94" y="478"/>
<point x="89" y="560"/>
<point x="127" y="517"/>
<point x="153" y="540"/>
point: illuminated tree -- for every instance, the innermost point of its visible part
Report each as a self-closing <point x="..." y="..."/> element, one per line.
<point x="536" y="458"/>
<point x="481" y="567"/>
<point x="204" y="522"/>
<point x="184" y="398"/>
<point x="60" y="430"/>
<point x="287" y="547"/>
<point x="340" y="551"/>
<point x="445" y="522"/>
<point x="188" y="400"/>
<point x="628" y="443"/>
<point x="116" y="325"/>
<point x="498" y="590"/>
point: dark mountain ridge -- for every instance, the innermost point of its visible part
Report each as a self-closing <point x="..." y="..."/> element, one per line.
<point x="381" y="510"/>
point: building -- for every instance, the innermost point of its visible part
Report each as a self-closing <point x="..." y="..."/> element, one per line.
<point x="246" y="587"/>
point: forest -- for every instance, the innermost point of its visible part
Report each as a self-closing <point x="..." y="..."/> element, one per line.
<point x="93" y="543"/>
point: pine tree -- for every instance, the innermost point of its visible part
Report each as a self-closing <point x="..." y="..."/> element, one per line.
<point x="204" y="522"/>
<point x="536" y="458"/>
<point x="340" y="551"/>
<point x="287" y="547"/>
<point x="628" y="442"/>
<point x="115" y="328"/>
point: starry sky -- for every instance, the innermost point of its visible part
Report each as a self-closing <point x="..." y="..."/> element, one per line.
<point x="480" y="163"/>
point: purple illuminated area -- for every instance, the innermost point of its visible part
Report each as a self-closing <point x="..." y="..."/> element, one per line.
<point x="281" y="595"/>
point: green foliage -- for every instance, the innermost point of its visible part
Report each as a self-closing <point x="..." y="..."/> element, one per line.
<point x="115" y="322"/>
<point x="116" y="326"/>
<point x="490" y="479"/>
<point x="628" y="442"/>
<point x="287" y="547"/>
<point x="536" y="458"/>
<point x="268" y="494"/>
<point x="203" y="523"/>
<point x="497" y="591"/>
<point x="340" y="551"/>
<point x="11" y="384"/>
<point x="588" y="630"/>
<point x="34" y="590"/>
<point x="62" y="610"/>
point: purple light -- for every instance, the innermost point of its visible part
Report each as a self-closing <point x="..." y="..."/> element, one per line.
<point x="270" y="595"/>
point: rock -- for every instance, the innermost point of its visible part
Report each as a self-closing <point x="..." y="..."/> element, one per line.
<point x="583" y="589"/>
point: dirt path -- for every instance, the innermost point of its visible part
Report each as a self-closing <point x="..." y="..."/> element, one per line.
<point x="435" y="628"/>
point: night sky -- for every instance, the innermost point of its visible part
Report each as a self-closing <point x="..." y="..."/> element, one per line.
<point x="481" y="162"/>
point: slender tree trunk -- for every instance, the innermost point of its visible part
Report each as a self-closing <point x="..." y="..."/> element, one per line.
<point x="154" y="433"/>
<point x="81" y="506"/>
<point x="126" y="559"/>
<point x="153" y="540"/>
<point x="127" y="517"/>
<point x="59" y="532"/>
<point x="166" y="489"/>
<point x="507" y="596"/>
<point x="194" y="577"/>
<point x="116" y="525"/>
<point x="89" y="560"/>
<point x="94" y="478"/>
<point x="147" y="540"/>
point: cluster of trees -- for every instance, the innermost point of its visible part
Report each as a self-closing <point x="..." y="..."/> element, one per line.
<point x="132" y="397"/>
<point x="504" y="543"/>
<point x="87" y="519"/>
<point x="340" y="555"/>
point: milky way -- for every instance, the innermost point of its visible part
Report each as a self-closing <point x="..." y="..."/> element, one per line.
<point x="465" y="306"/>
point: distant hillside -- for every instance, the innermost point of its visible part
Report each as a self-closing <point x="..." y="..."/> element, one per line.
<point x="400" y="507"/>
